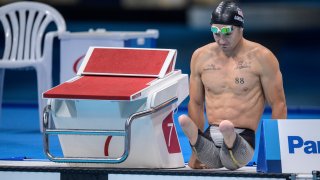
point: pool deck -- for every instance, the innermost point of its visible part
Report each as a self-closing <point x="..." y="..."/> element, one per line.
<point x="65" y="169"/>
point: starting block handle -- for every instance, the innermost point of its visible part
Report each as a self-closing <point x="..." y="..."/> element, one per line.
<point x="126" y="133"/>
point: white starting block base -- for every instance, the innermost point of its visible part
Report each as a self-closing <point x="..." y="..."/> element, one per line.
<point x="154" y="141"/>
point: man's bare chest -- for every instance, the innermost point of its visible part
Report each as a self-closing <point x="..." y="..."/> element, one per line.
<point x="239" y="77"/>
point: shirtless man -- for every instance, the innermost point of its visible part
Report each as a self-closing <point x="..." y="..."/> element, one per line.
<point x="232" y="78"/>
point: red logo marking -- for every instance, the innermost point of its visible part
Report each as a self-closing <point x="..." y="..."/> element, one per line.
<point x="170" y="135"/>
<point x="75" y="65"/>
<point x="106" y="146"/>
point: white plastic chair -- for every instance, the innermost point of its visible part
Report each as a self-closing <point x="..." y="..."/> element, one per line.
<point x="29" y="41"/>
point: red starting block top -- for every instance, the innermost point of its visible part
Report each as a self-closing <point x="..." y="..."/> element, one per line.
<point x="100" y="88"/>
<point x="115" y="73"/>
<point x="128" y="62"/>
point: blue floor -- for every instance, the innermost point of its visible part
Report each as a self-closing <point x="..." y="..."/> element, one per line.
<point x="20" y="137"/>
<point x="19" y="134"/>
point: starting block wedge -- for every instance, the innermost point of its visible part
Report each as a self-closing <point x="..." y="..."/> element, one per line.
<point x="118" y="110"/>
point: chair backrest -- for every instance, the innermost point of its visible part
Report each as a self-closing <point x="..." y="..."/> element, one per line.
<point x="24" y="25"/>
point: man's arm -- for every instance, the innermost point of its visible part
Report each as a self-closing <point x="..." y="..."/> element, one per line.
<point x="271" y="79"/>
<point x="196" y="103"/>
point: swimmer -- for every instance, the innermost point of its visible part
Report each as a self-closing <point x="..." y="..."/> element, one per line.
<point x="231" y="79"/>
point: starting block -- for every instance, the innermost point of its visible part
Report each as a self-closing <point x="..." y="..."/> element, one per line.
<point x="118" y="110"/>
<point x="289" y="146"/>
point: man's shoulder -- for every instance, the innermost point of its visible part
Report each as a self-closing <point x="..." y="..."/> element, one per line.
<point x="257" y="48"/>
<point x="261" y="54"/>
<point x="202" y="55"/>
<point x="206" y="50"/>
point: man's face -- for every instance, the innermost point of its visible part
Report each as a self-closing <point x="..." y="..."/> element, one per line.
<point x="227" y="36"/>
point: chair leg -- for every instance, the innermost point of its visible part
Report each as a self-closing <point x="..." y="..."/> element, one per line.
<point x="2" y="72"/>
<point x="44" y="82"/>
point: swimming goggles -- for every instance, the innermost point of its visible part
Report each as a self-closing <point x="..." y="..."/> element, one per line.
<point x="226" y="30"/>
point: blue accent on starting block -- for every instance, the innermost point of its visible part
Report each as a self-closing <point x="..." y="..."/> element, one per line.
<point x="269" y="160"/>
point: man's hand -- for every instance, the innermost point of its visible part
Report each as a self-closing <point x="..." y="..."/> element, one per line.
<point x="194" y="163"/>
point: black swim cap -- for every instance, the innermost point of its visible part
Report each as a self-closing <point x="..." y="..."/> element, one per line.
<point x="227" y="13"/>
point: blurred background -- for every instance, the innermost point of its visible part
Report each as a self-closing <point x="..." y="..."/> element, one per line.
<point x="289" y="28"/>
